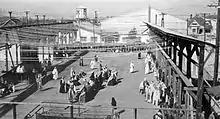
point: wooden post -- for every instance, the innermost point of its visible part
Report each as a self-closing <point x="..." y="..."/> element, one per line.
<point x="43" y="53"/>
<point x="16" y="54"/>
<point x="71" y="111"/>
<point x="174" y="51"/>
<point x="200" y="82"/>
<point x="14" y="111"/>
<point x="180" y="65"/>
<point x="189" y="55"/>
<point x="6" y="52"/>
<point x="215" y="79"/>
<point x="135" y="113"/>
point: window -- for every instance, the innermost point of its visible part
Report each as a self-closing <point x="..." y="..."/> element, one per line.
<point x="83" y="38"/>
<point x="193" y="30"/>
<point x="94" y="39"/>
<point x="200" y="31"/>
<point x="194" y="23"/>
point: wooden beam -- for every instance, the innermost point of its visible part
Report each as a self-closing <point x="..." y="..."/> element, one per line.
<point x="210" y="53"/>
<point x="189" y="55"/>
<point x="200" y="82"/>
<point x="191" y="88"/>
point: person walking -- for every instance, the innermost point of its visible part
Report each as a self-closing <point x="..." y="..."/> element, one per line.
<point x="39" y="81"/>
<point x="55" y="73"/>
<point x="131" y="67"/>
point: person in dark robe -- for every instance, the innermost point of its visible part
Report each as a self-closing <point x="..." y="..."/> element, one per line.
<point x="139" y="55"/>
<point x="44" y="71"/>
<point x="81" y="61"/>
<point x="113" y="103"/>
<point x="96" y="58"/>
<point x="62" y="86"/>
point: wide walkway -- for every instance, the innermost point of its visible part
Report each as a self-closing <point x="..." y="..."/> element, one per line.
<point x="126" y="92"/>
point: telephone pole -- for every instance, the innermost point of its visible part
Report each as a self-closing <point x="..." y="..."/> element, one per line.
<point x="204" y="28"/>
<point x="26" y="12"/>
<point x="44" y="16"/>
<point x="215" y="78"/>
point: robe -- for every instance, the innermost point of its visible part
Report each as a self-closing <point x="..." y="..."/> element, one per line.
<point x="62" y="86"/>
<point x="55" y="74"/>
<point x="131" y="67"/>
<point x="147" y="69"/>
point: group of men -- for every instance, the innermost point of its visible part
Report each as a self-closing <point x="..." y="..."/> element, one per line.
<point x="6" y="88"/>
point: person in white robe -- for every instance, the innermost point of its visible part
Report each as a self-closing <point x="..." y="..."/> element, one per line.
<point x="55" y="73"/>
<point x="141" y="87"/>
<point x="151" y="92"/>
<point x="92" y="64"/>
<point x="131" y="67"/>
<point x="147" y="70"/>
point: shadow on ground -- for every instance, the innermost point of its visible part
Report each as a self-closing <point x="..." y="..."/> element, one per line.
<point x="33" y="87"/>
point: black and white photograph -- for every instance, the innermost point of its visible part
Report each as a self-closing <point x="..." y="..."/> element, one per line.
<point x="109" y="59"/>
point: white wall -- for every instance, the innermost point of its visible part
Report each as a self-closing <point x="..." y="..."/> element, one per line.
<point x="88" y="35"/>
<point x="170" y="22"/>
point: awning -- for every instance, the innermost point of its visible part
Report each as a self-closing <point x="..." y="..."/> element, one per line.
<point x="214" y="91"/>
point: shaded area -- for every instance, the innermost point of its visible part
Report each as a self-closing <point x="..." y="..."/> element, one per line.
<point x="33" y="88"/>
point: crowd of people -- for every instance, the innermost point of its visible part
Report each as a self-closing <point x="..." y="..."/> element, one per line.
<point x="6" y="87"/>
<point x="86" y="83"/>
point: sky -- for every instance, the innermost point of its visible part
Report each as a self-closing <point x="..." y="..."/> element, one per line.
<point x="66" y="8"/>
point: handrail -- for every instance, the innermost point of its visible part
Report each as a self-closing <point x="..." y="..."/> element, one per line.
<point x="29" y="114"/>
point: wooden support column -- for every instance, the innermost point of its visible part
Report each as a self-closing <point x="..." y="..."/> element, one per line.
<point x="43" y="53"/>
<point x="200" y="82"/>
<point x="174" y="51"/>
<point x="16" y="50"/>
<point x="170" y="48"/>
<point x="71" y="111"/>
<point x="189" y="55"/>
<point x="11" y="58"/>
<point x="14" y="111"/>
<point x="6" y="52"/>
<point x="135" y="113"/>
<point x="180" y="65"/>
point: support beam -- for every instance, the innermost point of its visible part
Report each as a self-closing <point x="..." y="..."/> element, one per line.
<point x="14" y="111"/>
<point x="189" y="56"/>
<point x="16" y="50"/>
<point x="6" y="53"/>
<point x="210" y="53"/>
<point x="11" y="58"/>
<point x="135" y="113"/>
<point x="174" y="51"/>
<point x="71" y="111"/>
<point x="200" y="82"/>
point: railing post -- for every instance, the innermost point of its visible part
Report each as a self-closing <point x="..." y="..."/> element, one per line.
<point x="135" y="113"/>
<point x="14" y="111"/>
<point x="71" y="111"/>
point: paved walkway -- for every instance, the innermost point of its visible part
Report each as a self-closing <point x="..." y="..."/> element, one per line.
<point x="126" y="92"/>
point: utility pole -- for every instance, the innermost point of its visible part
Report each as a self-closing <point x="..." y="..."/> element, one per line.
<point x="187" y="31"/>
<point x="26" y="12"/>
<point x="204" y="28"/>
<point x="215" y="78"/>
<point x="10" y="12"/>
<point x="149" y="14"/>
<point x="44" y="20"/>
<point x="37" y="16"/>
<point x="94" y="21"/>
